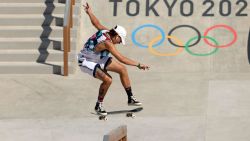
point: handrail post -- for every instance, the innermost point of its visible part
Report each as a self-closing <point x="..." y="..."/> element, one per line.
<point x="69" y="39"/>
<point x="65" y="54"/>
<point x="71" y="15"/>
<point x="67" y="25"/>
<point x="71" y="12"/>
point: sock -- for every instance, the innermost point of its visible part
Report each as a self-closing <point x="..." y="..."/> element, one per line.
<point x="129" y="92"/>
<point x="100" y="99"/>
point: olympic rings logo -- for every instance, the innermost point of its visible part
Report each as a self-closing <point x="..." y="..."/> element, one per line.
<point x="157" y="41"/>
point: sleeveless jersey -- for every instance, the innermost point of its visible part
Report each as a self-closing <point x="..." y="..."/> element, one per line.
<point x="99" y="37"/>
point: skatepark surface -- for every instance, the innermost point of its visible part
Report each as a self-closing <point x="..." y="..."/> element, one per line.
<point x="187" y="107"/>
<point x="185" y="97"/>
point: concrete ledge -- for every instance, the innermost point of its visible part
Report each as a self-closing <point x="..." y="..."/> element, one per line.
<point x="118" y="134"/>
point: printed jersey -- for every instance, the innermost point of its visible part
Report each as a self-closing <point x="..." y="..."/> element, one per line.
<point x="99" y="37"/>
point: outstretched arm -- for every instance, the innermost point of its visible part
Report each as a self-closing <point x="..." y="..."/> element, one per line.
<point x="96" y="23"/>
<point x="122" y="58"/>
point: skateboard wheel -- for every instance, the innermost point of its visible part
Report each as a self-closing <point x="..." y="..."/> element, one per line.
<point x="130" y="115"/>
<point x="133" y="116"/>
<point x="103" y="118"/>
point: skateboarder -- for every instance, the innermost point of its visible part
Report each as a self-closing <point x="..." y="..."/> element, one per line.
<point x="94" y="59"/>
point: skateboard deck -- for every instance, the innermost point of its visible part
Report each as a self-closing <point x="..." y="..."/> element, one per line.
<point x="129" y="113"/>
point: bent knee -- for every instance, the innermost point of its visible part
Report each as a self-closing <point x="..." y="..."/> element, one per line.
<point x="107" y="80"/>
<point x="123" y="69"/>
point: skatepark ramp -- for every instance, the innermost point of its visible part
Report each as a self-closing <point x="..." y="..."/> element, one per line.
<point x="31" y="36"/>
<point x="118" y="134"/>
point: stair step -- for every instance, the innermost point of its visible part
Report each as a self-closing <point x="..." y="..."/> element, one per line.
<point x="33" y="43"/>
<point x="32" y="39"/>
<point x="33" y="68"/>
<point x="35" y="8"/>
<point x="36" y="1"/>
<point x="40" y="48"/>
<point x="34" y="56"/>
<point x="33" y="31"/>
<point x="34" y="20"/>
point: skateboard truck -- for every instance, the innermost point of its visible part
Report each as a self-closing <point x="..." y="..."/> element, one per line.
<point x="132" y="115"/>
<point x="102" y="117"/>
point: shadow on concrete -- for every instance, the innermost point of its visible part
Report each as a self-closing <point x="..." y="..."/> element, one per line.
<point x="45" y="40"/>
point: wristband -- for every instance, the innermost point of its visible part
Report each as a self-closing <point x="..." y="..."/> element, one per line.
<point x="139" y="66"/>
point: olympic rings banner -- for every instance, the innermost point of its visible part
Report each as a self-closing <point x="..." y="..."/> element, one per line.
<point x="175" y="41"/>
<point x="227" y="15"/>
<point x="180" y="35"/>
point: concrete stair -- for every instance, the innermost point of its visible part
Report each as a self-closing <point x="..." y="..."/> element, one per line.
<point x="36" y="1"/>
<point x="33" y="68"/>
<point x="33" y="20"/>
<point x="33" y="8"/>
<point x="33" y="43"/>
<point x="31" y="36"/>
<point x="31" y="55"/>
<point x="33" y="31"/>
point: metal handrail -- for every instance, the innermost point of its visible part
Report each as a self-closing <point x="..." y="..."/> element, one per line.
<point x="67" y="24"/>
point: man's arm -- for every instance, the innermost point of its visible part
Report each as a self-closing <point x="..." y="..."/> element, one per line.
<point x="118" y="55"/>
<point x="122" y="58"/>
<point x="96" y="23"/>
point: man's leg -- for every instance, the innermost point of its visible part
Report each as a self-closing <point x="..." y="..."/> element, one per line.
<point x="119" y="68"/>
<point x="106" y="82"/>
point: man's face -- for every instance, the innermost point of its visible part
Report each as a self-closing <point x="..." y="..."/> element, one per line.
<point x="118" y="39"/>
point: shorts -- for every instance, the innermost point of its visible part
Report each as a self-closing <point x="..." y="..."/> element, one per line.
<point x="90" y="66"/>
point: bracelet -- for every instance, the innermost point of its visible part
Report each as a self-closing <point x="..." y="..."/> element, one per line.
<point x="138" y="66"/>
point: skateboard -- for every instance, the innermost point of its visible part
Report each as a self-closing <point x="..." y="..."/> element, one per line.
<point x="129" y="113"/>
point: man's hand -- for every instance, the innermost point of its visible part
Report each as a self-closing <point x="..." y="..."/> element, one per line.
<point x="93" y="19"/>
<point x="87" y="9"/>
<point x="143" y="67"/>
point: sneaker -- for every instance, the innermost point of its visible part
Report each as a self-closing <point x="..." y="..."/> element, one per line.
<point x="133" y="102"/>
<point x="100" y="109"/>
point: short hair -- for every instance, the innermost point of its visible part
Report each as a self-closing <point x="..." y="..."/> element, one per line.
<point x="112" y="32"/>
